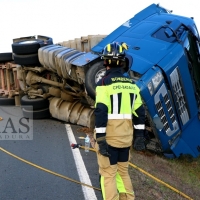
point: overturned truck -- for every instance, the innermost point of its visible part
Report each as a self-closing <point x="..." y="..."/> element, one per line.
<point x="58" y="80"/>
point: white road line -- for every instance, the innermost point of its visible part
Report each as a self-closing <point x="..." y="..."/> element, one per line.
<point x="89" y="193"/>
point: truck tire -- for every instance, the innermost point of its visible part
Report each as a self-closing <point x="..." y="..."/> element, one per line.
<point x="30" y="45"/>
<point x="36" y="104"/>
<point x="37" y="114"/>
<point x="4" y="57"/>
<point x="31" y="59"/>
<point x="5" y="101"/>
<point x="93" y="75"/>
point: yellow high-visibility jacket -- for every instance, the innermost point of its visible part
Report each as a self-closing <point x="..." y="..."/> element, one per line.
<point x="118" y="105"/>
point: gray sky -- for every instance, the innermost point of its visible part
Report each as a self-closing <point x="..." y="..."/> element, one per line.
<point x="68" y="19"/>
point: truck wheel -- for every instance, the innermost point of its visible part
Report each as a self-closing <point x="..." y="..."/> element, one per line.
<point x="30" y="45"/>
<point x="26" y="47"/>
<point x="93" y="75"/>
<point x="35" y="104"/>
<point x="37" y="114"/>
<point x="5" y="101"/>
<point x="4" y="57"/>
<point x="31" y="59"/>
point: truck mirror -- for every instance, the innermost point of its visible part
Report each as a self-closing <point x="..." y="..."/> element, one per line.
<point x="175" y="25"/>
<point x="157" y="121"/>
<point x="168" y="32"/>
<point x="172" y="28"/>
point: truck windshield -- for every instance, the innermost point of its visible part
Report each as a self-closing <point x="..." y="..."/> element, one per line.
<point x="192" y="51"/>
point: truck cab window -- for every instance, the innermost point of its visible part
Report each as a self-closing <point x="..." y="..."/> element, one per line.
<point x="192" y="50"/>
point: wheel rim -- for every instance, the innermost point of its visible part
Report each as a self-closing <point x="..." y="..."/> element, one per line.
<point x="99" y="75"/>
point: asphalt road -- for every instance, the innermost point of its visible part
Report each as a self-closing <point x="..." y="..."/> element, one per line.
<point x="49" y="148"/>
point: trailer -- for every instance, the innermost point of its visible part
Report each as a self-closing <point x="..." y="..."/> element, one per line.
<point x="163" y="59"/>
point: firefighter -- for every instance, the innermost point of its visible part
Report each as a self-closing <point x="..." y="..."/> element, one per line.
<point x="118" y="107"/>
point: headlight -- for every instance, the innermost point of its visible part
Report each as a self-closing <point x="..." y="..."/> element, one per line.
<point x="154" y="83"/>
<point x="150" y="87"/>
<point x="156" y="80"/>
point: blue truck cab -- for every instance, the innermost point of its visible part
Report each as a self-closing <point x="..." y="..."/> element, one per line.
<point x="164" y="61"/>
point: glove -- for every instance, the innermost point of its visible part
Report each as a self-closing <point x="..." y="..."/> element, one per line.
<point x="103" y="148"/>
<point x="139" y="143"/>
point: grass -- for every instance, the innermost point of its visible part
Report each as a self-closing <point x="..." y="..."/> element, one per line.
<point x="188" y="169"/>
<point x="183" y="174"/>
